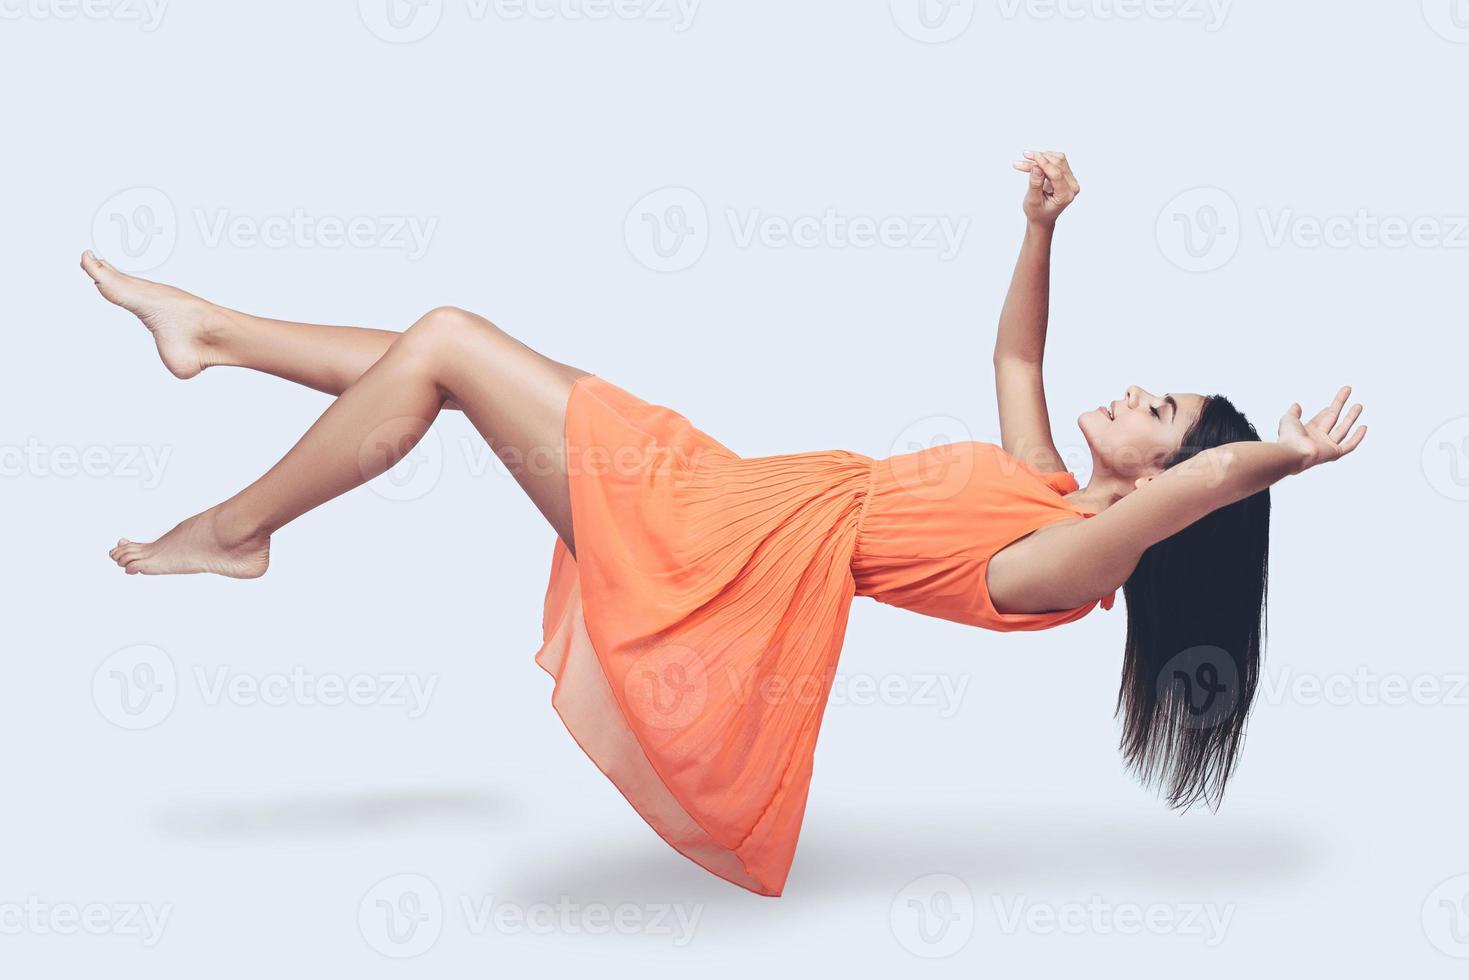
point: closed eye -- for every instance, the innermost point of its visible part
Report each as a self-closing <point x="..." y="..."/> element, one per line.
<point x="1154" y="410"/>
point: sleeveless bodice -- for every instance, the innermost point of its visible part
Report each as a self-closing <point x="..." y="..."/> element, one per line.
<point x="930" y="522"/>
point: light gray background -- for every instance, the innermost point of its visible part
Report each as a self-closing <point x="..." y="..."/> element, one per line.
<point x="263" y="829"/>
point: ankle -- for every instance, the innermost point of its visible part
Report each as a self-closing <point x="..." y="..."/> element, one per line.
<point x="218" y="336"/>
<point x="236" y="527"/>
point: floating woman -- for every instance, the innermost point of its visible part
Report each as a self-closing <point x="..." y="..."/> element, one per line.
<point x="698" y="599"/>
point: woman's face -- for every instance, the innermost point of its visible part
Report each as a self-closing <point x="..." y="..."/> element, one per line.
<point x="1133" y="436"/>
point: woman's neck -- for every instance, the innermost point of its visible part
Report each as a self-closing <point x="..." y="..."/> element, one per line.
<point x="1101" y="492"/>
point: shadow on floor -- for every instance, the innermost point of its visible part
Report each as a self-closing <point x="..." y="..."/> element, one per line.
<point x="332" y="815"/>
<point x="1073" y="857"/>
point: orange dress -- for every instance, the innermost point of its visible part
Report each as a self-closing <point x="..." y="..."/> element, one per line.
<point x="694" y="637"/>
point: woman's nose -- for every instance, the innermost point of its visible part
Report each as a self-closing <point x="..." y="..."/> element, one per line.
<point x="1136" y="394"/>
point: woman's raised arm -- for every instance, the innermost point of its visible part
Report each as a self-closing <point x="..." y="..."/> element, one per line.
<point x="1020" y="342"/>
<point x="1070" y="565"/>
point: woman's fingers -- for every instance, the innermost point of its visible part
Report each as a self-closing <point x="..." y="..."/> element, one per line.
<point x="1050" y="175"/>
<point x="1354" y="441"/>
<point x="1325" y="419"/>
<point x="1341" y="431"/>
<point x="1052" y="170"/>
<point x="1053" y="158"/>
<point x="1038" y="179"/>
<point x="1037" y="175"/>
<point x="1056" y="178"/>
<point x="1059" y="159"/>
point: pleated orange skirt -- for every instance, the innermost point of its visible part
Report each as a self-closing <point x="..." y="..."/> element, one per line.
<point x="694" y="637"/>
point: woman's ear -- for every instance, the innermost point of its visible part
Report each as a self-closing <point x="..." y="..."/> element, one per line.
<point x="1141" y="482"/>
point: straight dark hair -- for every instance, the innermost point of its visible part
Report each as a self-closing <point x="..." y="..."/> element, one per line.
<point x="1196" y="634"/>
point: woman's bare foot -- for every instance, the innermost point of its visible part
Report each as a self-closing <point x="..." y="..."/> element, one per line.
<point x="206" y="542"/>
<point x="184" y="327"/>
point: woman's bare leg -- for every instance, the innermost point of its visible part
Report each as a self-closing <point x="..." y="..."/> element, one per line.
<point x="514" y="396"/>
<point x="193" y="334"/>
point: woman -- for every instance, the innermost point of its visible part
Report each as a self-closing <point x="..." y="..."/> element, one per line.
<point x="698" y="599"/>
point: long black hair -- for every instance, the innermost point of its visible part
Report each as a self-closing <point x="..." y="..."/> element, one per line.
<point x="1196" y="633"/>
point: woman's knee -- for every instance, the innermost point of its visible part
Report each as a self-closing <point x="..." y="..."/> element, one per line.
<point x="447" y="329"/>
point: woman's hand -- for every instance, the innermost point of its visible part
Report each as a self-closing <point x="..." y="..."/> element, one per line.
<point x="1052" y="187"/>
<point x="1326" y="436"/>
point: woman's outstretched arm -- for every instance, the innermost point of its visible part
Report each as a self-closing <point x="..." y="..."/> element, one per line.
<point x="1020" y="342"/>
<point x="1067" y="566"/>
